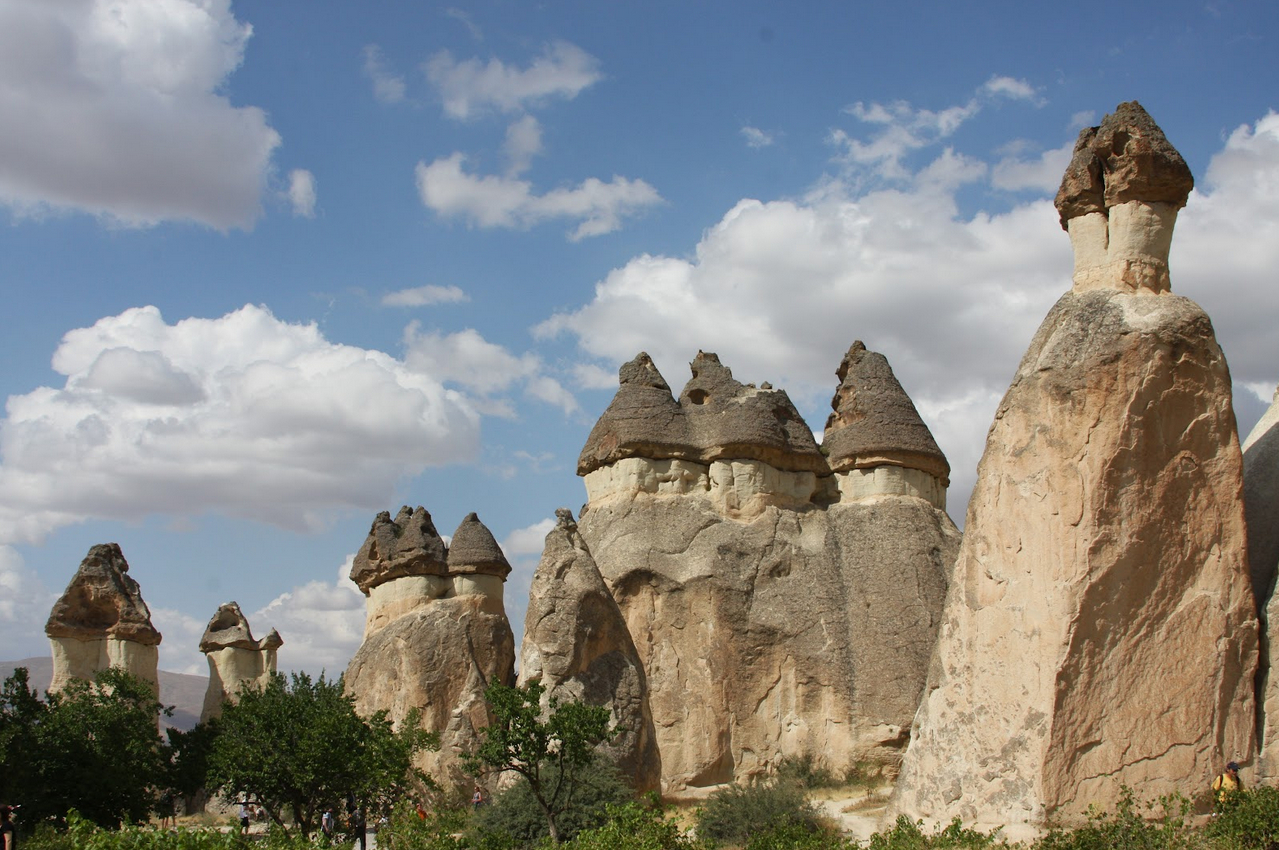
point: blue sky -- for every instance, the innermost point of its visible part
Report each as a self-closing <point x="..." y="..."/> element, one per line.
<point x="271" y="267"/>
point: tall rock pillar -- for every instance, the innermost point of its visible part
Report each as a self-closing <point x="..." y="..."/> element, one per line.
<point x="100" y="621"/>
<point x="1100" y="628"/>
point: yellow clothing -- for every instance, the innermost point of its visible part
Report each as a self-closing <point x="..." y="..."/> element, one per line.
<point x="1224" y="785"/>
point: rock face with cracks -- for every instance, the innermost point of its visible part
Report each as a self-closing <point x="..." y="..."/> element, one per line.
<point x="235" y="658"/>
<point x="100" y="621"/>
<point x="436" y="633"/>
<point x="1100" y="627"/>
<point x="577" y="644"/>
<point x="1261" y="504"/>
<point x="780" y="607"/>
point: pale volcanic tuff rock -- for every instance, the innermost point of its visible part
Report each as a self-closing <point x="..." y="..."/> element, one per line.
<point x="101" y="621"/>
<point x="1100" y="627"/>
<point x="235" y="657"/>
<point x="433" y="642"/>
<point x="775" y="614"/>
<point x="1261" y="505"/>
<point x="577" y="644"/>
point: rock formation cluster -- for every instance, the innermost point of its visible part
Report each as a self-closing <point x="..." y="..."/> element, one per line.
<point x="1100" y="630"/>
<point x="783" y="602"/>
<point x="436" y="633"/>
<point x="100" y="621"/>
<point x="235" y="658"/>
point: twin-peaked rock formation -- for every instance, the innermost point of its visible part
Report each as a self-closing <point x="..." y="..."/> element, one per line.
<point x="235" y="658"/>
<point x="782" y="602"/>
<point x="1100" y="628"/>
<point x="100" y="621"/>
<point x="436" y="632"/>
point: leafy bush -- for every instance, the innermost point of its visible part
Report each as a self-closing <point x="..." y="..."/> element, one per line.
<point x="438" y="830"/>
<point x="1248" y="820"/>
<point x="635" y="826"/>
<point x="793" y="836"/>
<point x="1139" y="826"/>
<point x="82" y="834"/>
<point x="738" y="812"/>
<point x="801" y="771"/>
<point x="517" y="815"/>
<point x="906" y="834"/>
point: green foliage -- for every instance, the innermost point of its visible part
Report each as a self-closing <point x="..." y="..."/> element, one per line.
<point x="301" y="746"/>
<point x="82" y="834"/>
<point x="93" y="746"/>
<point x="906" y="834"/>
<point x="438" y="829"/>
<point x="804" y="772"/>
<point x="1133" y="825"/>
<point x="517" y="813"/>
<point x="549" y="754"/>
<point x="793" y="836"/>
<point x="1247" y="819"/>
<point x="635" y="826"/>
<point x="740" y="811"/>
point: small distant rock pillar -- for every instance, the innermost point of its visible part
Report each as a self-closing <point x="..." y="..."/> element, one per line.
<point x="235" y="658"/>
<point x="1100" y="628"/>
<point x="100" y="621"/>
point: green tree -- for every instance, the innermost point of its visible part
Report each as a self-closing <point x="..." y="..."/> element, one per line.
<point x="93" y="746"/>
<point x="300" y="745"/>
<point x="549" y="753"/>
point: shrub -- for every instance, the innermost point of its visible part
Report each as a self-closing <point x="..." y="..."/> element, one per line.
<point x="793" y="836"/>
<point x="1162" y="827"/>
<point x="801" y="771"/>
<point x="1248" y="820"/>
<point x="906" y="834"/>
<point x="738" y="812"/>
<point x="515" y="813"/>
<point x="407" y="830"/>
<point x="635" y="826"/>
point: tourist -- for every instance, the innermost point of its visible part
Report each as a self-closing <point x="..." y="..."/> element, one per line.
<point x="1226" y="784"/>
<point x="326" y="823"/>
<point x="244" y="816"/>
<point x="8" y="837"/>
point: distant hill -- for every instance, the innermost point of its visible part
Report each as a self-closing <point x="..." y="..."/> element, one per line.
<point x="185" y="693"/>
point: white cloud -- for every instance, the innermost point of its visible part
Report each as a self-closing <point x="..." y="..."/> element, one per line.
<point x="492" y="201"/>
<point x="757" y="138"/>
<point x="465" y="20"/>
<point x="424" y="296"/>
<point x="905" y="129"/>
<point x="180" y="649"/>
<point x="790" y="284"/>
<point x="114" y="108"/>
<point x="302" y="192"/>
<point x="1038" y="175"/>
<point x="523" y="142"/>
<point x="483" y="369"/>
<point x="322" y="624"/>
<point x="24" y="606"/>
<point x="243" y="415"/>
<point x="529" y="540"/>
<point x="388" y="87"/>
<point x="472" y="87"/>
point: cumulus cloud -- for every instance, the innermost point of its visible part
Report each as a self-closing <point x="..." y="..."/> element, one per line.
<point x="1040" y="174"/>
<point x="24" y="606"/>
<point x="472" y="87"/>
<point x="492" y="201"/>
<point x="781" y="288"/>
<point x="302" y="192"/>
<point x="322" y="624"/>
<point x="114" y="108"/>
<point x="244" y="415"/>
<point x="180" y="649"/>
<point x="424" y="296"/>
<point x="483" y="369"/>
<point x="388" y="87"/>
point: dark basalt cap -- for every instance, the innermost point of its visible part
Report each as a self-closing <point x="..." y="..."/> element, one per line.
<point x="731" y="420"/>
<point x="643" y="420"/>
<point x="874" y="420"/>
<point x="409" y="545"/>
<point x="102" y="601"/>
<point x="230" y="628"/>
<point x="474" y="551"/>
<point x="1125" y="158"/>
